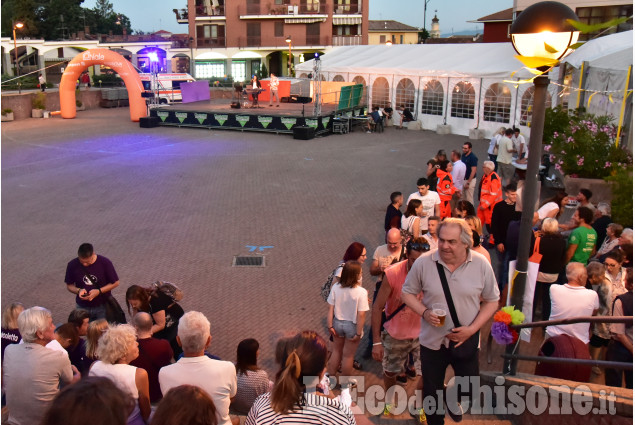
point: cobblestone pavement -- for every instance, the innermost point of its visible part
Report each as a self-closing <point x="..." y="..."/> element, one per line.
<point x="178" y="204"/>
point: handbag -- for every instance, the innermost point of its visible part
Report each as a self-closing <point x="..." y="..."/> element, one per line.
<point x="325" y="290"/>
<point x="114" y="312"/>
<point x="470" y="346"/>
<point x="536" y="256"/>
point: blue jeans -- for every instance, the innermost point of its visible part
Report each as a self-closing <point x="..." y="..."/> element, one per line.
<point x="95" y="312"/>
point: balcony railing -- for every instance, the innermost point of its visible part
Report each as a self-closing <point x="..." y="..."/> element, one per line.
<point x="211" y="42"/>
<point x="279" y="42"/>
<point x="347" y="40"/>
<point x="283" y="9"/>
<point x="210" y="10"/>
<point x="347" y="9"/>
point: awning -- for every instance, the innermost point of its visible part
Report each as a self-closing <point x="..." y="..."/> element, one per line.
<point x="303" y="20"/>
<point x="347" y="20"/>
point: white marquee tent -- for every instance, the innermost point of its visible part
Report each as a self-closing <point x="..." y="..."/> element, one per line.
<point x="463" y="85"/>
<point x="460" y="85"/>
<point x="607" y="63"/>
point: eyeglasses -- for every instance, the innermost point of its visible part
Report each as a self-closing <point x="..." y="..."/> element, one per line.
<point x="421" y="247"/>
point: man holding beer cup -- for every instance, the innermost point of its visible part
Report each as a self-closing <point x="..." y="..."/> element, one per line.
<point x="470" y="278"/>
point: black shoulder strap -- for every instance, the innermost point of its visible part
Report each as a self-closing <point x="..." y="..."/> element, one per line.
<point x="448" y="295"/>
<point x="394" y="313"/>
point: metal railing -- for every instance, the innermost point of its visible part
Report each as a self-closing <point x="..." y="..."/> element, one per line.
<point x="511" y="358"/>
<point x="211" y="42"/>
<point x="347" y="40"/>
<point x="347" y="9"/>
<point x="210" y="11"/>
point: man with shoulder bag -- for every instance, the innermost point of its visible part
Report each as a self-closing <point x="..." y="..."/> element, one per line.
<point x="454" y="279"/>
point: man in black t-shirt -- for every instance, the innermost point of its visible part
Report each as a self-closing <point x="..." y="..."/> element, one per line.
<point x="393" y="212"/>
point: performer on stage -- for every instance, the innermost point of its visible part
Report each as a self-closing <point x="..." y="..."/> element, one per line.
<point x="273" y="90"/>
<point x="255" y="85"/>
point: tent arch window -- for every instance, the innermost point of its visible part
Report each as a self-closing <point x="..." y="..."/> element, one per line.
<point x="498" y="103"/>
<point x="339" y="78"/>
<point x="463" y="100"/>
<point x="381" y="93"/>
<point x="304" y="75"/>
<point x="432" y="99"/>
<point x="527" y="106"/>
<point x="359" y="80"/>
<point x="405" y="93"/>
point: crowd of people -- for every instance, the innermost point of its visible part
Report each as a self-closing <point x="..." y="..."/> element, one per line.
<point x="435" y="289"/>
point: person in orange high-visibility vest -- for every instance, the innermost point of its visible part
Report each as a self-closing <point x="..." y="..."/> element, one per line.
<point x="491" y="192"/>
<point x="445" y="187"/>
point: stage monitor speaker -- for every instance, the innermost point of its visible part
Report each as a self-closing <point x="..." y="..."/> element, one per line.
<point x="303" y="132"/>
<point x="148" y="122"/>
<point x="235" y="105"/>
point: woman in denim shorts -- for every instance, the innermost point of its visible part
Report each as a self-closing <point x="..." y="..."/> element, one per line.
<point x="348" y="304"/>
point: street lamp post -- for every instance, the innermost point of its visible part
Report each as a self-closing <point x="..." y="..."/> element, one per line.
<point x="18" y="25"/>
<point x="540" y="32"/>
<point x="192" y="65"/>
<point x="288" y="40"/>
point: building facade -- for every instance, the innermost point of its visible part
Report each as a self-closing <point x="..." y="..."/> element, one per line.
<point x="496" y="26"/>
<point x="237" y="38"/>
<point x="392" y="32"/>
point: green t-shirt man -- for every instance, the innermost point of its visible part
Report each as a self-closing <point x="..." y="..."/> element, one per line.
<point x="585" y="238"/>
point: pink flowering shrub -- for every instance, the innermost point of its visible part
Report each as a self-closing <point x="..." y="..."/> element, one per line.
<point x="583" y="145"/>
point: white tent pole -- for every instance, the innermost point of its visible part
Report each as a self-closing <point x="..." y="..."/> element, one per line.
<point x="478" y="109"/>
<point x="447" y="100"/>
<point x="516" y="107"/>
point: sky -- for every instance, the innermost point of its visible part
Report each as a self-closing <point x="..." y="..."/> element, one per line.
<point x="153" y="15"/>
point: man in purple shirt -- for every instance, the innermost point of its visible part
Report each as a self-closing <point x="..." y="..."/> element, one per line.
<point x="91" y="277"/>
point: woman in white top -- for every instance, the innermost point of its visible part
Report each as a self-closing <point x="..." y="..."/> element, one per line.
<point x="410" y="220"/>
<point x="348" y="304"/>
<point x="117" y="347"/>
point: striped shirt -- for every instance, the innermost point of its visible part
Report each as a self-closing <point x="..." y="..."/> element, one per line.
<point x="315" y="409"/>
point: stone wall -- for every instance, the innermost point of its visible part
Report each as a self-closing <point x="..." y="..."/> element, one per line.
<point x="21" y="103"/>
<point x="593" y="405"/>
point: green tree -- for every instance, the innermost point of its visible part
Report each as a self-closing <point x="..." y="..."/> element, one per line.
<point x="58" y="19"/>
<point x="19" y="11"/>
<point x="423" y="35"/>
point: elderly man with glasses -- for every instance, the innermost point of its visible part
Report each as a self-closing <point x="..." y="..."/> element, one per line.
<point x="460" y="282"/>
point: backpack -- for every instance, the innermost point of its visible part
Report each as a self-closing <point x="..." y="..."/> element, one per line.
<point x="326" y="288"/>
<point x="169" y="289"/>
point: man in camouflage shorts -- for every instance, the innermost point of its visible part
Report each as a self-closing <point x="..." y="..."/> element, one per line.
<point x="400" y="334"/>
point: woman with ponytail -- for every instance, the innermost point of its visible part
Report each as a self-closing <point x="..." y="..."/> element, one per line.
<point x="295" y="398"/>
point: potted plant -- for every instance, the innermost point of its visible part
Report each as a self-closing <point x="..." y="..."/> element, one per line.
<point x="39" y="104"/>
<point x="583" y="148"/>
<point x="7" y="114"/>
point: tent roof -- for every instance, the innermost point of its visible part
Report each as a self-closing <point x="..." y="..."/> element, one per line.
<point x="614" y="51"/>
<point x="487" y="60"/>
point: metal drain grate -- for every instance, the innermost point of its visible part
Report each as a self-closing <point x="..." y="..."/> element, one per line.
<point x="254" y="261"/>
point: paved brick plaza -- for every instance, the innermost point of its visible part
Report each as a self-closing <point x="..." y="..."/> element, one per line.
<point x="178" y="204"/>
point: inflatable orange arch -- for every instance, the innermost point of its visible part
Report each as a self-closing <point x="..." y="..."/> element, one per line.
<point x="114" y="60"/>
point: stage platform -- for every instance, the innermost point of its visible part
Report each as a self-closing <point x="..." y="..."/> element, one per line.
<point x="218" y="114"/>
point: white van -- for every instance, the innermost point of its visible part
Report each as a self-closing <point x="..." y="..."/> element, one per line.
<point x="169" y="85"/>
